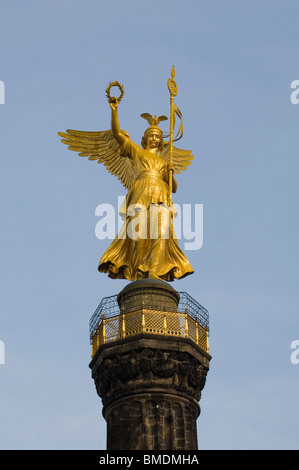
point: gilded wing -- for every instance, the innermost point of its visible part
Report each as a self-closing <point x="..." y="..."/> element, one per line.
<point x="181" y="159"/>
<point x="103" y="147"/>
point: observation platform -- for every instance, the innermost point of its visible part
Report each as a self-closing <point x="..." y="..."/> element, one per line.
<point x="149" y="306"/>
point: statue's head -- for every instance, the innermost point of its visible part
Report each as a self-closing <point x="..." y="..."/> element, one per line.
<point x="153" y="136"/>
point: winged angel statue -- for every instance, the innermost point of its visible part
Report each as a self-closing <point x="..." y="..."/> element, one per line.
<point x="146" y="246"/>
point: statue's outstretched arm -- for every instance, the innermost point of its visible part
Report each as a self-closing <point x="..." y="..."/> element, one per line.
<point x="116" y="131"/>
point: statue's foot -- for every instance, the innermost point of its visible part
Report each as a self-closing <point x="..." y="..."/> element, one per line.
<point x="153" y="275"/>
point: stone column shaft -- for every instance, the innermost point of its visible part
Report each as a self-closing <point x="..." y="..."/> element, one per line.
<point x="150" y="384"/>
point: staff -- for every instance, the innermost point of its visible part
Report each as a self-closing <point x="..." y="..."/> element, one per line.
<point x="173" y="90"/>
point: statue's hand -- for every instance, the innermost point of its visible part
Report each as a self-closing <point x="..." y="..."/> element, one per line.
<point x="113" y="103"/>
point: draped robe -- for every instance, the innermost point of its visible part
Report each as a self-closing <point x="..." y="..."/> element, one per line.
<point x="146" y="242"/>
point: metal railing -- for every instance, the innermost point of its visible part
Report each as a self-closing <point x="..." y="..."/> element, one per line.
<point x="149" y="321"/>
<point x="108" y="324"/>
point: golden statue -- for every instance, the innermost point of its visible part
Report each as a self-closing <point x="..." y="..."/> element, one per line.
<point x="146" y="246"/>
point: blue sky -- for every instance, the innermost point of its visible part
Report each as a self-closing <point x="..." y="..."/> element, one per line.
<point x="235" y="62"/>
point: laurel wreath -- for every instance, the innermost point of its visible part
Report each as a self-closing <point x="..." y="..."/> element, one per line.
<point x="113" y="99"/>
